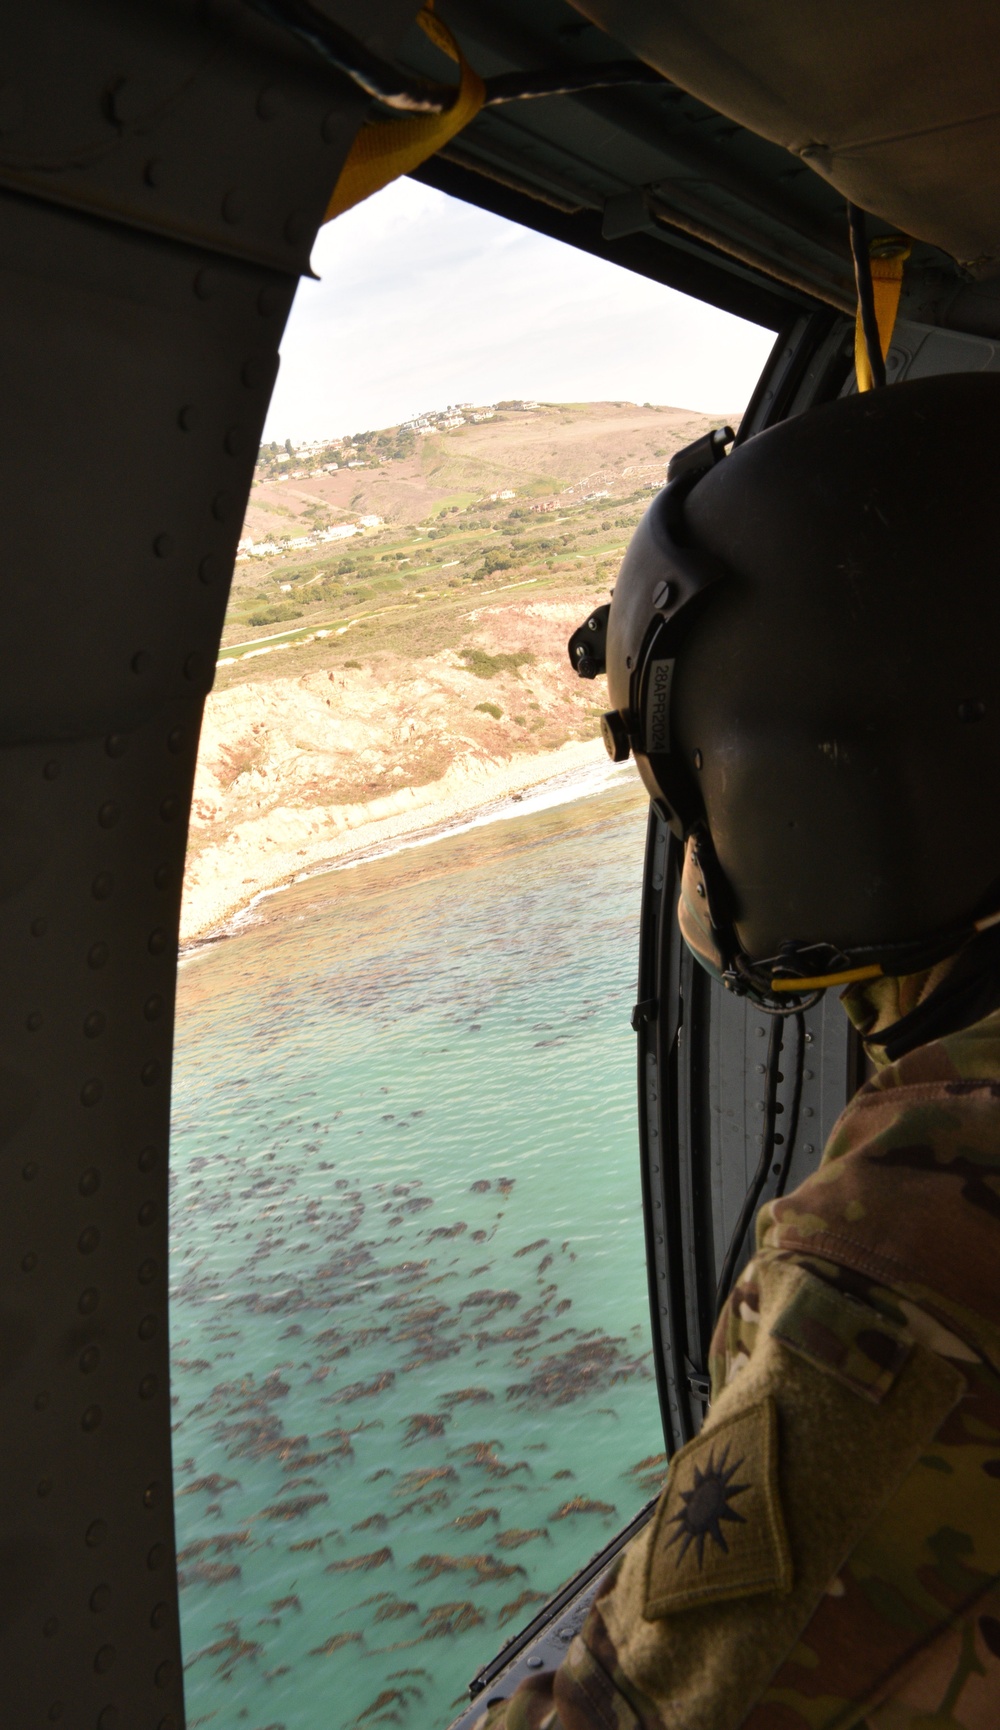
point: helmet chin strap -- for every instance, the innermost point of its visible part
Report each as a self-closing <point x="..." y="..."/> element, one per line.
<point x="790" y="981"/>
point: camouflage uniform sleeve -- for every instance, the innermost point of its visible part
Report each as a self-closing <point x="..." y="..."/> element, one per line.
<point x="827" y="1551"/>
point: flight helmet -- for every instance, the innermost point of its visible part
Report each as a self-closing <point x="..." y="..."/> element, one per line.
<point x="803" y="655"/>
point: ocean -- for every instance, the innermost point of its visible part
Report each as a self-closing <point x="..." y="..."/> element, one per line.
<point x="412" y="1382"/>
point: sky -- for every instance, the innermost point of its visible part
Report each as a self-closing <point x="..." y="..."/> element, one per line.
<point x="423" y="301"/>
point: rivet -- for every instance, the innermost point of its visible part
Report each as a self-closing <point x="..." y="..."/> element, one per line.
<point x="147" y="1213"/>
<point x="158" y="1616"/>
<point x="147" y="1327"/>
<point x="39" y="927"/>
<point x="332" y="125"/>
<point x="109" y="814"/>
<point x="103" y="1661"/>
<point x="41" y="1401"/>
<point x="628" y="660"/>
<point x="809" y="1148"/>
<point x="220" y="506"/>
<point x="268" y="302"/>
<point x="161" y="877"/>
<point x="33" y="1022"/>
<point x="157" y="941"/>
<point x="234" y="440"/>
<point x="152" y="1009"/>
<point x="89" y="1360"/>
<point x="97" y="955"/>
<point x="233" y="205"/>
<point x="51" y="769"/>
<point x="116" y="745"/>
<point x="97" y="1531"/>
<point x="89" y="1301"/>
<point x="108" y="1718"/>
<point x="140" y="661"/>
<point x="29" y="1262"/>
<point x="206" y="283"/>
<point x="150" y="1495"/>
<point x="152" y="173"/>
<point x="44" y="1486"/>
<point x="102" y="886"/>
<point x="88" y="1240"/>
<point x="163" y="546"/>
<point x="698" y="759"/>
<point x="91" y="1091"/>
<point x="971" y="710"/>
<point x="169" y="809"/>
<point x="100" y="1597"/>
<point x="187" y="418"/>
<point x="29" y="1172"/>
<point x="91" y="1419"/>
<point x="147" y="1272"/>
<point x="147" y="1159"/>
<point x="94" y="1024"/>
<point x="147" y="1387"/>
<point x="192" y="665"/>
<point x="150" y="1073"/>
<point x="164" y="1673"/>
<point x="157" y="1556"/>
<point x="175" y="739"/>
<point x="56" y="1711"/>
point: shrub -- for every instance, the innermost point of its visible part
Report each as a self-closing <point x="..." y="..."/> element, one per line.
<point x="357" y="666"/>
<point x="489" y="709"/>
<point x="486" y="666"/>
<point x="497" y="560"/>
<point x="276" y="614"/>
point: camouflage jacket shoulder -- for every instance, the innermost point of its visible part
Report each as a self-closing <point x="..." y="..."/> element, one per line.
<point x="826" y="1553"/>
<point x="908" y="1191"/>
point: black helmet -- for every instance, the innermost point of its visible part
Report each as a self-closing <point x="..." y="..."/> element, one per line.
<point x="803" y="652"/>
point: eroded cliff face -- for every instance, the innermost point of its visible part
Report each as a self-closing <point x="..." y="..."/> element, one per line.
<point x="304" y="767"/>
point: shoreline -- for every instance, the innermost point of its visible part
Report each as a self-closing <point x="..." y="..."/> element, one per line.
<point x="466" y="797"/>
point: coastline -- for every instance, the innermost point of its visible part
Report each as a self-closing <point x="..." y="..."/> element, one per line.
<point x="263" y="856"/>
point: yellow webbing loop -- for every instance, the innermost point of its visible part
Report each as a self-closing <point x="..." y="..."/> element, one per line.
<point x="888" y="256"/>
<point x="823" y="980"/>
<point x="389" y="148"/>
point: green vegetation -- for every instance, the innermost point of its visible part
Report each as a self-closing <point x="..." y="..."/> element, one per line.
<point x="486" y="666"/>
<point x="275" y="614"/>
<point x="493" y="709"/>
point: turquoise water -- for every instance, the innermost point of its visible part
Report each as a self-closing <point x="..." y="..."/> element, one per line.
<point x="412" y="1383"/>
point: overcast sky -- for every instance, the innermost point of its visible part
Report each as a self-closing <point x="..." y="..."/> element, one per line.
<point x="424" y="301"/>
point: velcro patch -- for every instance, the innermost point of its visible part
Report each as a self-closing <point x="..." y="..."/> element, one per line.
<point x="845" y="1338"/>
<point x="719" y="1530"/>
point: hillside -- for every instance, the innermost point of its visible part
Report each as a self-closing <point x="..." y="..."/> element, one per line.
<point x="415" y="670"/>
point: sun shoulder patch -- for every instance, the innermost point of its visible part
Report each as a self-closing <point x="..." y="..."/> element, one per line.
<point x="719" y="1531"/>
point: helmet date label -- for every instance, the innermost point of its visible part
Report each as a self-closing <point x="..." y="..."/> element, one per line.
<point x="657" y="728"/>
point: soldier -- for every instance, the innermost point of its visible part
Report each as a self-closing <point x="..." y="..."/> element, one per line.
<point x="803" y="654"/>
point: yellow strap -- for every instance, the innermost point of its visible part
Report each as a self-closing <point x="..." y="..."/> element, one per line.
<point x="389" y="148"/>
<point x="888" y="257"/>
<point x="826" y="979"/>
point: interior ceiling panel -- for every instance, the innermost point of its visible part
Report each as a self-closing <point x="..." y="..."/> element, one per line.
<point x="896" y="105"/>
<point x="728" y="178"/>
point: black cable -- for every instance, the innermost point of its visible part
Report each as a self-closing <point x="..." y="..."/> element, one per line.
<point x="858" y="230"/>
<point x="567" y="81"/>
<point x="757" y="1182"/>
<point x="406" y="93"/>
